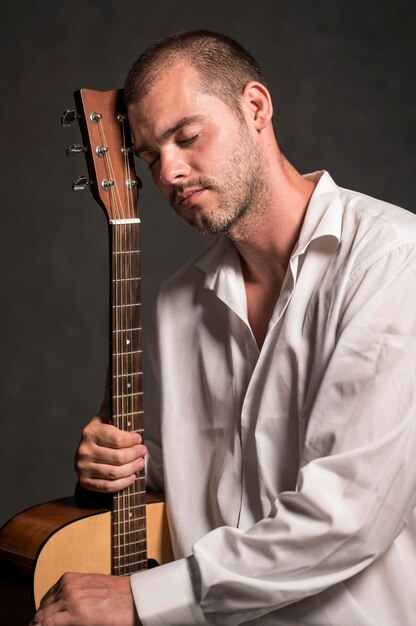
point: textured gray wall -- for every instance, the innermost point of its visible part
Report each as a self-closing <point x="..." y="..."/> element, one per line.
<point x="342" y="77"/>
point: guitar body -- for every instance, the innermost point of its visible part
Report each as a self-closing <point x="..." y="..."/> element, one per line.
<point x="45" y="541"/>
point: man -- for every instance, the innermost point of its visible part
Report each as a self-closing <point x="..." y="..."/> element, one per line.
<point x="285" y="359"/>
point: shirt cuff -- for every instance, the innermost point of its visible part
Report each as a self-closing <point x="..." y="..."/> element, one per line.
<point x="164" y="596"/>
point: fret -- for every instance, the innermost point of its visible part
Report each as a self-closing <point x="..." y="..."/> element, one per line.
<point x="122" y="280"/>
<point x="128" y="353"/>
<point x="139" y="374"/>
<point x="130" y="568"/>
<point x="134" y="501"/>
<point x="115" y="252"/>
<point x="134" y="507"/>
<point x="124" y="273"/>
<point x="131" y="554"/>
<point x="130" y="398"/>
<point x="124" y="306"/>
<point x="137" y="542"/>
<point x="137" y="506"/>
<point x="136" y="334"/>
<point x="136" y="519"/>
<point x="131" y="543"/>
<point x="121" y="247"/>
<point x="127" y="330"/>
<point x="132" y="415"/>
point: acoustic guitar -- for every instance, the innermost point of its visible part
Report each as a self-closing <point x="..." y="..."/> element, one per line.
<point x="40" y="544"/>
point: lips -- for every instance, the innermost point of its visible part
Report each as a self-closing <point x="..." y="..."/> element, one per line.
<point x="189" y="197"/>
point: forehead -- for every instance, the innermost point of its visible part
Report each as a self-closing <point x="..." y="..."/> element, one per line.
<point x="176" y="95"/>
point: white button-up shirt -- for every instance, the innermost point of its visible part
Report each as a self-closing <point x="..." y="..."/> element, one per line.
<point x="290" y="471"/>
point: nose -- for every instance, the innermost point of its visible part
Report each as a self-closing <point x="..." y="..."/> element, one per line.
<point x="173" y="168"/>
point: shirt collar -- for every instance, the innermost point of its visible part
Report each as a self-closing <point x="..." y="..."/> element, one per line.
<point x="323" y="216"/>
<point x="222" y="268"/>
<point x="323" y="219"/>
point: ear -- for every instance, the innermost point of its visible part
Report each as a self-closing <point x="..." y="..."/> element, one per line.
<point x="258" y="104"/>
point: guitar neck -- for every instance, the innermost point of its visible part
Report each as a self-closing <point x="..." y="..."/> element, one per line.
<point x="114" y="184"/>
<point x="129" y="507"/>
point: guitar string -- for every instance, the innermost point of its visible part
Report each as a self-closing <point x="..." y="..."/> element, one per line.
<point x="135" y="270"/>
<point x="115" y="313"/>
<point x="129" y="324"/>
<point x="130" y="316"/>
<point x="128" y="236"/>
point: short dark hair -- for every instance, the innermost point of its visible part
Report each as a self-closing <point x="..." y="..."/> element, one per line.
<point x="225" y="67"/>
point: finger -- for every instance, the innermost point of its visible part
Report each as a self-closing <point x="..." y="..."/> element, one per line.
<point x="107" y="486"/>
<point x="109" y="436"/>
<point x="90" y="458"/>
<point x="56" y="616"/>
<point x="114" y="472"/>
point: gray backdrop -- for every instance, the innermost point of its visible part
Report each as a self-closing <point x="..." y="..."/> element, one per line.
<point x="342" y="78"/>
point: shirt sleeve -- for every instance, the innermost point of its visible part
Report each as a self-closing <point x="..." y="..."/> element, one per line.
<point x="356" y="488"/>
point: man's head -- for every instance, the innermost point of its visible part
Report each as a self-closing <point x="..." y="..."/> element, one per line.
<point x="224" y="66"/>
<point x="201" y="120"/>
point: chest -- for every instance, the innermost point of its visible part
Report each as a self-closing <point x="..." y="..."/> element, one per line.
<point x="260" y="305"/>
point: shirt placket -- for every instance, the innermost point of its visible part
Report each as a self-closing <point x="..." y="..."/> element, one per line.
<point x="254" y="365"/>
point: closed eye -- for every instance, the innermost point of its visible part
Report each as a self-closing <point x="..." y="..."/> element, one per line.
<point x="187" y="142"/>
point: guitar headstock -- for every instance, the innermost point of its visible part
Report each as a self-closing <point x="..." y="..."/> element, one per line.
<point x="107" y="147"/>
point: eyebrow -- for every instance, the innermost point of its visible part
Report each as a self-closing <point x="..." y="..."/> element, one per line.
<point x="185" y="121"/>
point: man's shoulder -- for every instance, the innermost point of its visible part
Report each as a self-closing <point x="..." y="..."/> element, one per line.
<point x="374" y="233"/>
<point x="365" y="214"/>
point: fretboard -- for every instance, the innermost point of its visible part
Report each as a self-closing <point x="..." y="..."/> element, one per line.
<point x="129" y="508"/>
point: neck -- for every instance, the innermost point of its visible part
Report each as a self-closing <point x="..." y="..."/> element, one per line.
<point x="265" y="238"/>
<point x="267" y="234"/>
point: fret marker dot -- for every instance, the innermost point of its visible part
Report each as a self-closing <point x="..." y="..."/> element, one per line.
<point x="130" y="514"/>
<point x="128" y="385"/>
<point x="128" y="423"/>
<point x="127" y="341"/>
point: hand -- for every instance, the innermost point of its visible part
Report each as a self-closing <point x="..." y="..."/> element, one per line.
<point x="107" y="458"/>
<point x="88" y="600"/>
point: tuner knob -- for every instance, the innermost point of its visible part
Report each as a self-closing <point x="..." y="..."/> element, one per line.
<point x="76" y="148"/>
<point x="133" y="182"/>
<point x="80" y="183"/>
<point x="68" y="117"/>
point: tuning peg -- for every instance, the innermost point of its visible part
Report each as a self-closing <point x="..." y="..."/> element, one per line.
<point x="68" y="117"/>
<point x="133" y="182"/>
<point x="80" y="183"/>
<point x="75" y="149"/>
